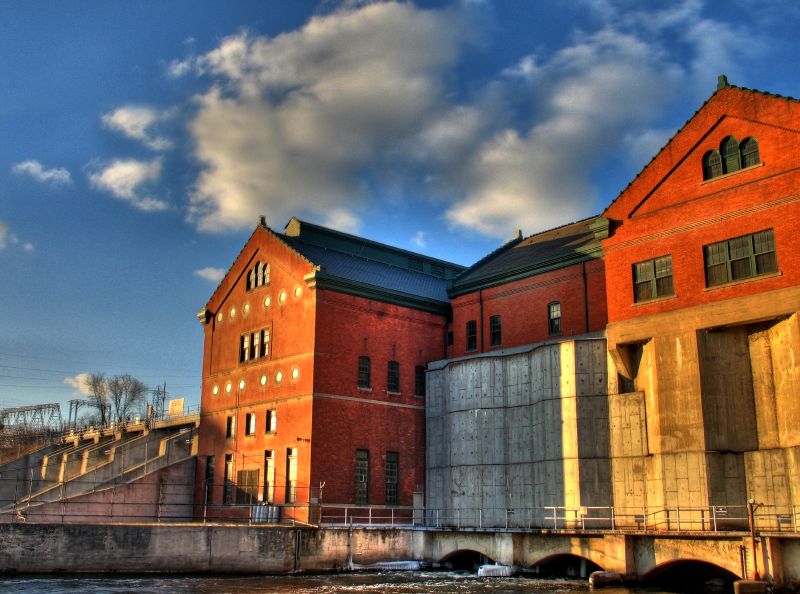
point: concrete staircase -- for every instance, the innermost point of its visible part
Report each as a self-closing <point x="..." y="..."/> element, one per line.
<point x="91" y="462"/>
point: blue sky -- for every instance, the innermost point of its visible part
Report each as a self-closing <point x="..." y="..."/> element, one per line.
<point x="141" y="141"/>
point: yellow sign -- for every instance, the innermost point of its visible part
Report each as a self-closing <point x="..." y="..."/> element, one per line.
<point x="176" y="407"/>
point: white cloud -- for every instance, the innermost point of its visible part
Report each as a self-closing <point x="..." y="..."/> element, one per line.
<point x="58" y="176"/>
<point x="211" y="274"/>
<point x="420" y="240"/>
<point x="319" y="120"/>
<point x="136" y="122"/>
<point x="79" y="383"/>
<point x="292" y="121"/>
<point x="9" y="239"/>
<point x="125" y="179"/>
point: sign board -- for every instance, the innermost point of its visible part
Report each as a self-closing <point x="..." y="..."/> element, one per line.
<point x="176" y="407"/>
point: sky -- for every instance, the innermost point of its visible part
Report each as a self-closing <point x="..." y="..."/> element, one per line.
<point x="142" y="140"/>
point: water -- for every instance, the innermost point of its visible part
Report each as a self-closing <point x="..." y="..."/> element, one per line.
<point x="388" y="582"/>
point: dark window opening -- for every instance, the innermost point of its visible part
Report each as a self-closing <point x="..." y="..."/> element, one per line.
<point x="712" y="164"/>
<point x="392" y="477"/>
<point x="230" y="427"/>
<point x="652" y="279"/>
<point x="740" y="258"/>
<point x="362" y="477"/>
<point x="419" y="380"/>
<point x="472" y="335"/>
<point x="291" y="475"/>
<point x="247" y="487"/>
<point x="554" y="318"/>
<point x="227" y="493"/>
<point x="364" y="372"/>
<point x="731" y="159"/>
<point x="393" y="379"/>
<point x="495" y="331"/>
<point x="250" y="424"/>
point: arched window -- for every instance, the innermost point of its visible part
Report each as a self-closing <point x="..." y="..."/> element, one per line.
<point x="749" y="150"/>
<point x="712" y="164"/>
<point x="258" y="275"/>
<point x="731" y="158"/>
<point x="251" y="279"/>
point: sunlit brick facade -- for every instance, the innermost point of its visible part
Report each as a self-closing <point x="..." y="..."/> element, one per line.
<point x="314" y="345"/>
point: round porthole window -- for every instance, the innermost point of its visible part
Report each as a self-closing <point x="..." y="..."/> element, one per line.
<point x="295" y="373"/>
<point x="241" y="385"/>
<point x="263" y="380"/>
<point x="279" y="377"/>
<point x="298" y="291"/>
<point x="233" y="312"/>
<point x="267" y="301"/>
<point x="246" y="309"/>
<point x="215" y="391"/>
<point x="282" y="296"/>
<point x="219" y="316"/>
<point x="228" y="387"/>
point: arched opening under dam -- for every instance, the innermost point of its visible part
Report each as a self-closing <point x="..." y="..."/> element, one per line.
<point x="565" y="565"/>
<point x="465" y="560"/>
<point x="690" y="575"/>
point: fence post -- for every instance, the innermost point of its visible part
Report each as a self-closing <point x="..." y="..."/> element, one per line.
<point x="714" y="517"/>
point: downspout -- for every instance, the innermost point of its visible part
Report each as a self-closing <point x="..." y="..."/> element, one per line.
<point x="585" y="300"/>
<point x="480" y="297"/>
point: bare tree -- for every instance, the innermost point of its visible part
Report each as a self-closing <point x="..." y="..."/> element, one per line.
<point x="126" y="393"/>
<point x="98" y="395"/>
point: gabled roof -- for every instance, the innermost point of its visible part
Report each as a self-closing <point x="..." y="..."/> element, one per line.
<point x="365" y="268"/>
<point x="722" y="86"/>
<point x="542" y="252"/>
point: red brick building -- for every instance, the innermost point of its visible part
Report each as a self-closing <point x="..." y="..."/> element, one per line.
<point x="313" y="371"/>
<point x="703" y="296"/>
<point x="548" y="285"/>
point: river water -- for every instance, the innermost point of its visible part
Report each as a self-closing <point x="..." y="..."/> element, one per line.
<point x="389" y="582"/>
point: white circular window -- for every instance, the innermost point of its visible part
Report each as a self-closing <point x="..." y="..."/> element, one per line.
<point x="228" y="387"/>
<point x="295" y="373"/>
<point x="246" y="309"/>
<point x="298" y="291"/>
<point x="267" y="301"/>
<point x="215" y="391"/>
<point x="279" y="377"/>
<point x="263" y="380"/>
<point x="282" y="296"/>
<point x="241" y="385"/>
<point x="219" y="316"/>
<point x="233" y="312"/>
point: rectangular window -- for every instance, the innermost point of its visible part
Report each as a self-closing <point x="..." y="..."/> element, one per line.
<point x="362" y="477"/>
<point x="495" y="331"/>
<point x="652" y="279"/>
<point x="247" y="487"/>
<point x="393" y="379"/>
<point x="392" y="477"/>
<point x="230" y="427"/>
<point x="210" y="462"/>
<point x="250" y="424"/>
<point x="227" y="494"/>
<point x="291" y="475"/>
<point x="272" y="421"/>
<point x="244" y="348"/>
<point x="269" y="476"/>
<point x="472" y="335"/>
<point x="554" y="318"/>
<point x="364" y="373"/>
<point x="419" y="380"/>
<point x="254" y="345"/>
<point x="450" y="338"/>
<point x="740" y="258"/>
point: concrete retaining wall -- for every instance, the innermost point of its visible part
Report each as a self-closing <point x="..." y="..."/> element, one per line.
<point x="37" y="548"/>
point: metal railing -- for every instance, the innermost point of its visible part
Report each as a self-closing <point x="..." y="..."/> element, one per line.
<point x="714" y="518"/>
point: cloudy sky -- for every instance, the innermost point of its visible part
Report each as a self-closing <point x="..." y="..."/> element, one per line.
<point x="141" y="140"/>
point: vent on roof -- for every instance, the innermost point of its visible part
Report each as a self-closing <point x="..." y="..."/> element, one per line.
<point x="415" y="264"/>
